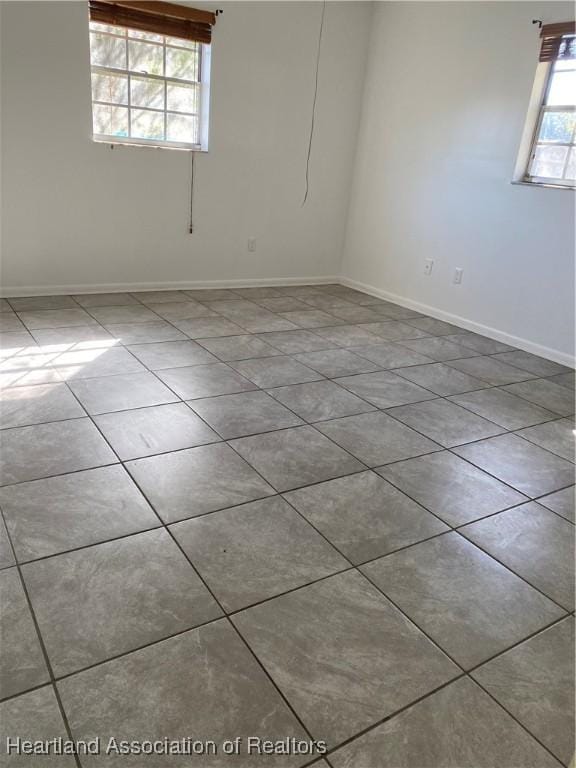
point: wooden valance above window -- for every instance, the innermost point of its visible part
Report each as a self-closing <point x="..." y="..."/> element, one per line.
<point x="556" y="41"/>
<point x="157" y="17"/>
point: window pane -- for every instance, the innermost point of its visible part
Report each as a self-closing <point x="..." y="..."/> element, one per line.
<point x="571" y="167"/>
<point x="145" y="36"/>
<point x="182" y="128"/>
<point x="145" y="92"/>
<point x="147" y="125"/>
<point x="549" y="161"/>
<point x="110" y="88"/>
<point x="107" y="28"/>
<point x="145" y="57"/>
<point x="562" y="88"/>
<point x="183" y="98"/>
<point x="112" y="121"/>
<point x="107" y="51"/>
<point x="557" y="126"/>
<point x="181" y="63"/>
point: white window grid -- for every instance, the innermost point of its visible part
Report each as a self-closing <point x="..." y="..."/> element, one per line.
<point x="537" y="142"/>
<point x="201" y="51"/>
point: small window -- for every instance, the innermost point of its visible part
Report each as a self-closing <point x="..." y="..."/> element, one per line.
<point x="148" y="88"/>
<point x="552" y="158"/>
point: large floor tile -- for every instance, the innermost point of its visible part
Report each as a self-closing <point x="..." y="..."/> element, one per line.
<point x="439" y="348"/>
<point x="22" y="664"/>
<point x="554" y="436"/>
<point x="210" y="294"/>
<point x="281" y="304"/>
<point x="546" y="394"/>
<point x="6" y="553"/>
<point x="247" y="413"/>
<point x="534" y="543"/>
<point x="343" y="656"/>
<point x="294" y="457"/>
<point x="535" y="683"/>
<point x="158" y="429"/>
<point x="145" y="333"/>
<point x="33" y="303"/>
<point x="320" y="400"/>
<point x="472" y="606"/>
<point x="29" y="453"/>
<point x="22" y="370"/>
<point x="293" y="342"/>
<point x="526" y="467"/>
<point x="364" y="516"/>
<point x="385" y="389"/>
<point x="435" y="327"/>
<point x="336" y="362"/>
<point x="532" y="363"/>
<point x="159" y="297"/>
<point x="391" y="355"/>
<point x="562" y="502"/>
<point x="503" y="408"/>
<point x="255" y="551"/>
<point x="45" y="517"/>
<point x="13" y="341"/>
<point x="91" y="363"/>
<point x="567" y="380"/>
<point x="197" y="480"/>
<point x="376" y="438"/>
<point x="181" y="310"/>
<point x="135" y="313"/>
<point x="10" y="322"/>
<point x="55" y="318"/>
<point x="104" y="299"/>
<point x="445" y="422"/>
<point x="206" y="327"/>
<point x="205" y="381"/>
<point x="111" y="598"/>
<point x="229" y="348"/>
<point x="311" y="318"/>
<point x="453" y="489"/>
<point x="171" y="354"/>
<point x="22" y="406"/>
<point x="34" y="716"/>
<point x="276" y="371"/>
<point x="74" y="338"/>
<point x="349" y="335"/>
<point x="441" y="379"/>
<point x="393" y="330"/>
<point x="491" y="370"/>
<point x="211" y="689"/>
<point x="457" y="727"/>
<point x="481" y="344"/>
<point x="117" y="393"/>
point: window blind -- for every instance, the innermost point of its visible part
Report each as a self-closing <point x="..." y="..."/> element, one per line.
<point x="156" y="17"/>
<point x="558" y="41"/>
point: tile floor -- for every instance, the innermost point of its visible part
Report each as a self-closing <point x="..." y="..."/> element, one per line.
<point x="298" y="512"/>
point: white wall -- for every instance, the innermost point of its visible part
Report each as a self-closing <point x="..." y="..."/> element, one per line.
<point x="446" y="95"/>
<point x="77" y="214"/>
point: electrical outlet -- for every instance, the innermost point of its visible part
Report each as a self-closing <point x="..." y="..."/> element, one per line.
<point x="428" y="267"/>
<point x="457" y="279"/>
<point x="251" y="244"/>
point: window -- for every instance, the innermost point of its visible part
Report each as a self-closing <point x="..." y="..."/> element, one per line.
<point x="148" y="88"/>
<point x="552" y="158"/>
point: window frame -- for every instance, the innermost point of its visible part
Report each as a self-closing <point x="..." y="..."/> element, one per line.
<point x="203" y="83"/>
<point x="542" y="109"/>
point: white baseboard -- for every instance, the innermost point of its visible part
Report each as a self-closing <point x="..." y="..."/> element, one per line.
<point x="485" y="330"/>
<point x="182" y="285"/>
<point x="177" y="285"/>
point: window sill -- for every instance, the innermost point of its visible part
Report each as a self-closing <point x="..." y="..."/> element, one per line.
<point x="541" y="184"/>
